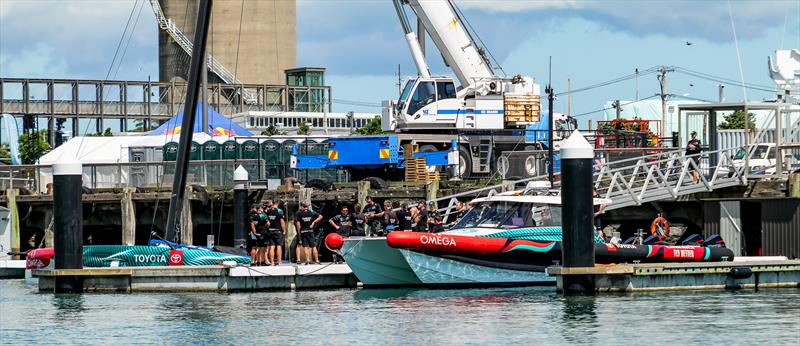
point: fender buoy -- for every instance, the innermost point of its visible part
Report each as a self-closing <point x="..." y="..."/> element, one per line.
<point x="334" y="241"/>
<point x="660" y="227"/>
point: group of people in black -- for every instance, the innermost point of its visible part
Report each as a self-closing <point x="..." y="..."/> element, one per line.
<point x="267" y="234"/>
<point x="268" y="226"/>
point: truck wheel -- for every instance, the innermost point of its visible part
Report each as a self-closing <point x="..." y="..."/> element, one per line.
<point x="464" y="163"/>
<point x="321" y="184"/>
<point x="427" y="148"/>
<point x="376" y="183"/>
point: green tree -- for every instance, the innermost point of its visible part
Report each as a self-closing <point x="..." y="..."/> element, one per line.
<point x="106" y="133"/>
<point x="32" y="147"/>
<point x="303" y="129"/>
<point x="5" y="154"/>
<point x="373" y="127"/>
<point x="272" y="131"/>
<point x="735" y="120"/>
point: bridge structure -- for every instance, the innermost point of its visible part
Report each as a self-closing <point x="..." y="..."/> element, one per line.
<point x="139" y="105"/>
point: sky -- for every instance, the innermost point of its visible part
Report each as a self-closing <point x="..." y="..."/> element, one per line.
<point x="361" y="43"/>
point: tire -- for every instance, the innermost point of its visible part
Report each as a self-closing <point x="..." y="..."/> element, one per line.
<point x="427" y="148"/>
<point x="464" y="163"/>
<point x="376" y="183"/>
<point x="320" y="184"/>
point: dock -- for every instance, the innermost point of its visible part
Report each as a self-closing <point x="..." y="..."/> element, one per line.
<point x="686" y="276"/>
<point x="12" y="269"/>
<point x="204" y="278"/>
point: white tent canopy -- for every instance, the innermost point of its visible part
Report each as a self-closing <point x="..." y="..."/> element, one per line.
<point x="93" y="152"/>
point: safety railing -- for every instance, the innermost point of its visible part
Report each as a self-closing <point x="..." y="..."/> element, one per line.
<point x="668" y="175"/>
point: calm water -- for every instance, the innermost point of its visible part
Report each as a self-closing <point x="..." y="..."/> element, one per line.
<point x="419" y="317"/>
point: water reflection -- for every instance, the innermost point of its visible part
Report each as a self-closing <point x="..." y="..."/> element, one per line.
<point x="69" y="307"/>
<point x="579" y="319"/>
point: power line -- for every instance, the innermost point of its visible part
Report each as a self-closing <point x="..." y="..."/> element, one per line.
<point x="122" y="38"/>
<point x="723" y="80"/>
<point x="130" y="36"/>
<point x="356" y="103"/>
<point x="612" y="81"/>
<point x="610" y="108"/>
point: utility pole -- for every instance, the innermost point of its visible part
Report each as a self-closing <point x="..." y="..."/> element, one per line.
<point x="399" y="83"/>
<point x="616" y="106"/>
<point x="637" y="84"/>
<point x="550" y="160"/>
<point x="662" y="78"/>
<point x="569" y="97"/>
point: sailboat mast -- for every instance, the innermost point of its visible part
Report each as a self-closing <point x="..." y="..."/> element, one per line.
<point x="197" y="65"/>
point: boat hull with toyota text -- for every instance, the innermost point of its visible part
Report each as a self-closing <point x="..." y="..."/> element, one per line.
<point x="138" y="256"/>
<point x="456" y="259"/>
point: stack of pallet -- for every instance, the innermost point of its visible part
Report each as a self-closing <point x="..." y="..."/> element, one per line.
<point x="416" y="168"/>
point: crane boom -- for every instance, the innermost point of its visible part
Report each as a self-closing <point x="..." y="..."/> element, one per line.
<point x="450" y="36"/>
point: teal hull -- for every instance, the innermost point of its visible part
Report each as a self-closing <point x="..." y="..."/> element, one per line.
<point x="376" y="264"/>
<point x="151" y="256"/>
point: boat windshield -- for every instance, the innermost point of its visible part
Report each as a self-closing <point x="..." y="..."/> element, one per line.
<point x="510" y="215"/>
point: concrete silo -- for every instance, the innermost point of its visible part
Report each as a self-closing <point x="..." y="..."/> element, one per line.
<point x="267" y="45"/>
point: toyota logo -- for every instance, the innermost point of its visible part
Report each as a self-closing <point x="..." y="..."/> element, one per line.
<point x="175" y="258"/>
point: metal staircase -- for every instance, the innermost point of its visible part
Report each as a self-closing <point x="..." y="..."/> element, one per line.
<point x="667" y="176"/>
<point x="185" y="43"/>
<point x="639" y="180"/>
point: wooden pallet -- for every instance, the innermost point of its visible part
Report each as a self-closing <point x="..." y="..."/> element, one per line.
<point x="417" y="171"/>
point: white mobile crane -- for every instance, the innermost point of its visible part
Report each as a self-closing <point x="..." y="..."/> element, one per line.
<point x="488" y="113"/>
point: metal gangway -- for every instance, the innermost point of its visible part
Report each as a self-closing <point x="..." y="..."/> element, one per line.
<point x="635" y="181"/>
<point x="185" y="43"/>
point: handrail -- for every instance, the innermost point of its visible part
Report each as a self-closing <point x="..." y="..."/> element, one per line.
<point x="180" y="38"/>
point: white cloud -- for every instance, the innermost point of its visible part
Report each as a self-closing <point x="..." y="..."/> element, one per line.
<point x="707" y="19"/>
<point x="36" y="62"/>
<point x="521" y="5"/>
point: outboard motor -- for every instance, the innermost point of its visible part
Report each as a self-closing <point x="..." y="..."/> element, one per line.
<point x="652" y="240"/>
<point x="694" y="239"/>
<point x="714" y="241"/>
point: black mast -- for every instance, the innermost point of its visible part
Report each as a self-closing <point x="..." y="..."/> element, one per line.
<point x="189" y="110"/>
<point x="550" y="160"/>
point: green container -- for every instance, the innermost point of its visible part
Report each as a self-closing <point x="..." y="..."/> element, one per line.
<point x="230" y="150"/>
<point x="286" y="158"/>
<point x="271" y="154"/>
<point x="250" y="150"/>
<point x="170" y="151"/>
<point x="211" y="150"/>
<point x="171" y="155"/>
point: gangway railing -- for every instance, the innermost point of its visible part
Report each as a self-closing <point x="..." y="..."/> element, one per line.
<point x="185" y="43"/>
<point x="635" y="181"/>
<point x="667" y="176"/>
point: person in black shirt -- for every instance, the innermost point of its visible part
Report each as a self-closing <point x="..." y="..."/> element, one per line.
<point x="343" y="223"/>
<point x="435" y="220"/>
<point x="692" y="148"/>
<point x="305" y="221"/>
<point x="421" y="219"/>
<point x="277" y="228"/>
<point x="252" y="236"/>
<point x="390" y="222"/>
<point x="404" y="218"/>
<point x="359" y="222"/>
<point x="259" y="227"/>
<point x="373" y="214"/>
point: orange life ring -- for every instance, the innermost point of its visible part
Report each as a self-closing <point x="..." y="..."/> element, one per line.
<point x="662" y="224"/>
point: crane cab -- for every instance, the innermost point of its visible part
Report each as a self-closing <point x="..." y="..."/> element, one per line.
<point x="435" y="103"/>
<point x="424" y="103"/>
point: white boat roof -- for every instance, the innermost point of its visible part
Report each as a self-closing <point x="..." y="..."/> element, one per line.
<point x="555" y="200"/>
